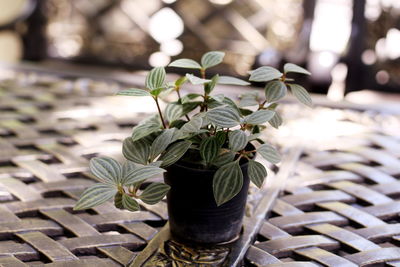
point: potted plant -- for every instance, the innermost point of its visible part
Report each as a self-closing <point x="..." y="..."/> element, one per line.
<point x="203" y="143"/>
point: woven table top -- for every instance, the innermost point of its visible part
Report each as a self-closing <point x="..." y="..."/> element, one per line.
<point x="333" y="201"/>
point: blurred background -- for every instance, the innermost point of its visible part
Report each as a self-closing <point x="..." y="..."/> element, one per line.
<point x="348" y="45"/>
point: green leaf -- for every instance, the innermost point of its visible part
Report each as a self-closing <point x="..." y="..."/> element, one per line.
<point x="189" y="97"/>
<point x="128" y="167"/>
<point x="189" y="106"/>
<point x="141" y="173"/>
<point x="259" y="117"/>
<point x="180" y="81"/>
<point x="146" y="127"/>
<point x="209" y="148"/>
<point x="274" y="91"/>
<point x="173" y="111"/>
<point x="196" y="80"/>
<point x="157" y="92"/>
<point x="154" y="193"/>
<point x="118" y="201"/>
<point x="237" y="140"/>
<point x="221" y="137"/>
<point x="224" y="158"/>
<point x="276" y="120"/>
<point x="106" y="169"/>
<point x="210" y="86"/>
<point x="136" y="151"/>
<point x="211" y="59"/>
<point x="264" y="74"/>
<point x="225" y="117"/>
<point x="192" y="126"/>
<point x="231" y="80"/>
<point x="174" y="152"/>
<point x="161" y="143"/>
<point x="269" y="153"/>
<point x="129" y="203"/>
<point x="95" y="195"/>
<point x="290" y="67"/>
<point x="227" y="182"/>
<point x="257" y="173"/>
<point x="185" y="63"/>
<point x="155" y="78"/>
<point x="301" y="94"/>
<point x="134" y="92"/>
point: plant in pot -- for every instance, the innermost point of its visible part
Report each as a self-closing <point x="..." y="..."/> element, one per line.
<point x="203" y="143"/>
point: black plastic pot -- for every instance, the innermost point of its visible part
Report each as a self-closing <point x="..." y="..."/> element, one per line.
<point x="194" y="217"/>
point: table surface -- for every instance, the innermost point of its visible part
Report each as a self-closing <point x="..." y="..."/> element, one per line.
<point x="332" y="201"/>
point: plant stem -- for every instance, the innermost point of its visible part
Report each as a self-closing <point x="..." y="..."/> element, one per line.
<point x="180" y="101"/>
<point x="160" y="113"/>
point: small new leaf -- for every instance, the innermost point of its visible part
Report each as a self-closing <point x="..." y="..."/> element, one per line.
<point x="185" y="63"/>
<point x="95" y="195"/>
<point x="259" y="117"/>
<point x="154" y="193"/>
<point x="257" y="173"/>
<point x="118" y="201"/>
<point x="106" y="169"/>
<point x="237" y="140"/>
<point x="211" y="59"/>
<point x="155" y="78"/>
<point x="129" y="203"/>
<point x="274" y="91"/>
<point x="301" y="94"/>
<point x="174" y="152"/>
<point x="209" y="148"/>
<point x="196" y="80"/>
<point x="210" y="86"/>
<point x="134" y="92"/>
<point x="227" y="182"/>
<point x="136" y="151"/>
<point x="269" y="153"/>
<point x="290" y="67"/>
<point x="264" y="74"/>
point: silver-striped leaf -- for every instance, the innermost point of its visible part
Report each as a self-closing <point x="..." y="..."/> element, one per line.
<point x="264" y="74"/>
<point x="301" y="94"/>
<point x="185" y="63"/>
<point x="174" y="152"/>
<point x="128" y="167"/>
<point x="146" y="127"/>
<point x="269" y="153"/>
<point x="237" y="140"/>
<point x="259" y="117"/>
<point x="274" y="91"/>
<point x="209" y="148"/>
<point x="257" y="173"/>
<point x="173" y="112"/>
<point x="118" y="201"/>
<point x="136" y="151"/>
<point x="161" y="142"/>
<point x="192" y="126"/>
<point x="211" y="85"/>
<point x="290" y="67"/>
<point x="106" y="169"/>
<point x="155" y="79"/>
<point x="95" y="195"/>
<point x="141" y="173"/>
<point x="134" y="92"/>
<point x="231" y="81"/>
<point x="227" y="182"/>
<point x="276" y="120"/>
<point x="154" y="193"/>
<point x="225" y="117"/>
<point x="211" y="59"/>
<point x="129" y="203"/>
<point x="224" y="158"/>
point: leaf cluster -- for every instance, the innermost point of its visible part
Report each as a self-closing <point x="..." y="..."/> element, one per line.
<point x="204" y="129"/>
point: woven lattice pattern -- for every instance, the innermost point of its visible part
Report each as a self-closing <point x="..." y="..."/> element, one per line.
<point x="340" y="207"/>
